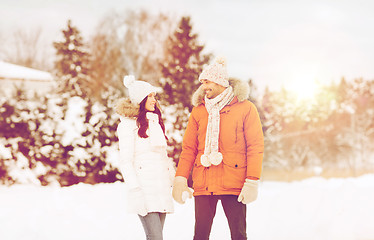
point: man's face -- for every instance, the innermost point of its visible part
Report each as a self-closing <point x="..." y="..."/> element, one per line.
<point x="211" y="89"/>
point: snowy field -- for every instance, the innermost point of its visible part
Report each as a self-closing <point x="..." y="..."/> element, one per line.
<point x="314" y="208"/>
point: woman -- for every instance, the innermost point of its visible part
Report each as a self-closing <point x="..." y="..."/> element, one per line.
<point x="148" y="172"/>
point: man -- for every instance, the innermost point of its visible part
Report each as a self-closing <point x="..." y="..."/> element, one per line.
<point x="223" y="144"/>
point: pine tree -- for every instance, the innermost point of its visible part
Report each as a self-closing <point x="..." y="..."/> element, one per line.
<point x="184" y="60"/>
<point x="30" y="138"/>
<point x="72" y="63"/>
<point x="183" y="64"/>
<point x="88" y="133"/>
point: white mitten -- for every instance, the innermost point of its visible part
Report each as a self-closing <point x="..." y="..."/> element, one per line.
<point x="181" y="191"/>
<point x="136" y="201"/>
<point x="249" y="191"/>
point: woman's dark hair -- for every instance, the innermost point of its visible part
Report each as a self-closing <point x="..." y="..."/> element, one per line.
<point x="142" y="121"/>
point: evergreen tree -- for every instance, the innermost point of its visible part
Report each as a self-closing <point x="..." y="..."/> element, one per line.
<point x="88" y="126"/>
<point x="72" y="63"/>
<point x="64" y="137"/>
<point x="29" y="136"/>
<point x="183" y="64"/>
<point x="184" y="60"/>
<point x="97" y="140"/>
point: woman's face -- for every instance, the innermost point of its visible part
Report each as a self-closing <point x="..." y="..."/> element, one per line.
<point x="151" y="102"/>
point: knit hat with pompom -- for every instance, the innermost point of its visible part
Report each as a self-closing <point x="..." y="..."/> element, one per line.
<point x="138" y="90"/>
<point x="216" y="72"/>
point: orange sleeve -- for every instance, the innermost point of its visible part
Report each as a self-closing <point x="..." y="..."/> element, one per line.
<point x="189" y="147"/>
<point x="255" y="142"/>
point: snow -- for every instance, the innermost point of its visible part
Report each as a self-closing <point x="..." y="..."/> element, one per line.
<point x="12" y="71"/>
<point x="5" y="152"/>
<point x="20" y="170"/>
<point x="315" y="208"/>
<point x="31" y="80"/>
<point x="74" y="121"/>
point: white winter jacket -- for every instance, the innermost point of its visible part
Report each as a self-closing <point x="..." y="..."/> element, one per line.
<point x="144" y="163"/>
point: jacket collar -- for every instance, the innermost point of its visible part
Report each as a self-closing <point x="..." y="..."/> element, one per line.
<point x="240" y="88"/>
<point x="126" y="108"/>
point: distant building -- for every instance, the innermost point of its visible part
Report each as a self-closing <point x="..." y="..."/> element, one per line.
<point x="12" y="75"/>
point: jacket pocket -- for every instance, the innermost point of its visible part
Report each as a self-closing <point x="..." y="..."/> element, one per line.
<point x="198" y="177"/>
<point x="234" y="174"/>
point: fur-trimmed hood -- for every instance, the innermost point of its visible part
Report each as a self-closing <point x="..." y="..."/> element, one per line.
<point x="126" y="108"/>
<point x="240" y="88"/>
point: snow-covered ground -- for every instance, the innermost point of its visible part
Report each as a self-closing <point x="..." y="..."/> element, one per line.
<point x="314" y="208"/>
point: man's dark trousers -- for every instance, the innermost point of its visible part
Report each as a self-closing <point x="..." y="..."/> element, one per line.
<point x="205" y="210"/>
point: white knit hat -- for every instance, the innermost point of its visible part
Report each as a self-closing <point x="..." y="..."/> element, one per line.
<point x="138" y="90"/>
<point x="216" y="72"/>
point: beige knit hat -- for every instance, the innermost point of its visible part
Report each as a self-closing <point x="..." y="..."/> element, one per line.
<point x="138" y="90"/>
<point x="216" y="72"/>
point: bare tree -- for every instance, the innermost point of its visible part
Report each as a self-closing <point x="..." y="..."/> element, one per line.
<point x="2" y="44"/>
<point x="26" y="48"/>
<point x="128" y="43"/>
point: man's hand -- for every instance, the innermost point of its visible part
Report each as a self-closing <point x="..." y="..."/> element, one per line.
<point x="181" y="191"/>
<point x="249" y="191"/>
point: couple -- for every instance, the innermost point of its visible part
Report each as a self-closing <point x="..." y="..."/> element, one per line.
<point x="222" y="145"/>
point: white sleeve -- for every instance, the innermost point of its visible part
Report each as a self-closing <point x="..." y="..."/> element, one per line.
<point x="171" y="168"/>
<point x="126" y="136"/>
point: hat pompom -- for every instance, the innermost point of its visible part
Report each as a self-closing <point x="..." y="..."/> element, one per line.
<point x="215" y="158"/>
<point x="221" y="60"/>
<point x="204" y="160"/>
<point x="128" y="80"/>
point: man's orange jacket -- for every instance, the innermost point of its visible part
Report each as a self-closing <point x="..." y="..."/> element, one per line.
<point x="241" y="143"/>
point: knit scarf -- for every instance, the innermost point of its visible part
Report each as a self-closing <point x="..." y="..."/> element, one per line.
<point x="213" y="106"/>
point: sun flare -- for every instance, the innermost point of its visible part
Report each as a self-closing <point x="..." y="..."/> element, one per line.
<point x="304" y="88"/>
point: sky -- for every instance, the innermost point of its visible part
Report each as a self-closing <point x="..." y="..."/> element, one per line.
<point x="314" y="208"/>
<point x="274" y="43"/>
